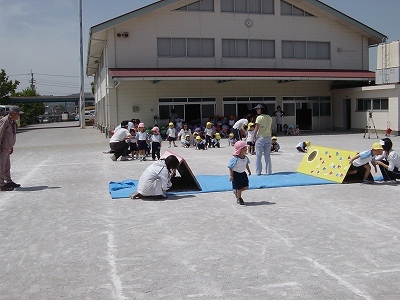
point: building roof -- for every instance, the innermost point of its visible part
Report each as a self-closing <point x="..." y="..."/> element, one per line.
<point x="238" y="74"/>
<point x="97" y="33"/>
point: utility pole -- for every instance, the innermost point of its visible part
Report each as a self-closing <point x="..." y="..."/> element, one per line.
<point x="32" y="81"/>
<point x="82" y="92"/>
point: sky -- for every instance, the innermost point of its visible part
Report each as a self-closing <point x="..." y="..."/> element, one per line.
<point x="41" y="37"/>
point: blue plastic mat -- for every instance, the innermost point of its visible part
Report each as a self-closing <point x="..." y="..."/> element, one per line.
<point x="220" y="183"/>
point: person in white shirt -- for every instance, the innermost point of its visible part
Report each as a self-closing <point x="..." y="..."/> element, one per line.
<point x="183" y="133"/>
<point x="119" y="142"/>
<point x="156" y="179"/>
<point x="130" y="126"/>
<point x="239" y="128"/>
<point x="171" y="134"/>
<point x="389" y="162"/>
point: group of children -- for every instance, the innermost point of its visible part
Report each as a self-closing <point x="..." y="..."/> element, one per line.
<point x="381" y="155"/>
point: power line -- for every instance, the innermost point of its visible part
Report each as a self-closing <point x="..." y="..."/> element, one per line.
<point x="56" y="75"/>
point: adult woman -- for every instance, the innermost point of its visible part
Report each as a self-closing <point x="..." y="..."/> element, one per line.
<point x="389" y="162"/>
<point x="278" y="116"/>
<point x="262" y="138"/>
<point x="156" y="179"/>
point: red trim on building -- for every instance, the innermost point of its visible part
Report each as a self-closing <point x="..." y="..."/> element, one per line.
<point x="243" y="73"/>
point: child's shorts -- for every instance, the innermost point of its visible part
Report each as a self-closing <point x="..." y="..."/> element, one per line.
<point x="250" y="143"/>
<point x="142" y="145"/>
<point x="171" y="139"/>
<point x="240" y="180"/>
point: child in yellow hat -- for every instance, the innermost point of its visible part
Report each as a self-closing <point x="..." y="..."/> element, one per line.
<point x="171" y="134"/>
<point x="360" y="164"/>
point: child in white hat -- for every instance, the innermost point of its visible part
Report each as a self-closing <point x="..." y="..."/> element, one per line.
<point x="237" y="170"/>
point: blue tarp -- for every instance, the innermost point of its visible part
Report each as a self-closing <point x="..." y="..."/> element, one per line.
<point x="220" y="183"/>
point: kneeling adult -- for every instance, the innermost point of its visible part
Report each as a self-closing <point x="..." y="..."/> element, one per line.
<point x="156" y="179"/>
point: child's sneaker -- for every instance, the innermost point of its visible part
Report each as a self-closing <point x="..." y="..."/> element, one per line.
<point x="240" y="201"/>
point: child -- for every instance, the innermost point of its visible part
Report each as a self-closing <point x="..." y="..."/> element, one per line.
<point x="183" y="133"/>
<point x="302" y="146"/>
<point x="297" y="130"/>
<point x="360" y="162"/>
<point x="285" y="129"/>
<point x="179" y="124"/>
<point x="148" y="148"/>
<point x="250" y="138"/>
<point x="155" y="143"/>
<point x="274" y="144"/>
<point x="186" y="142"/>
<point x="216" y="140"/>
<point x="133" y="147"/>
<point x="141" y="137"/>
<point x="195" y="135"/>
<point x="237" y="170"/>
<point x="171" y="134"/>
<point x="200" y="144"/>
<point x="208" y="132"/>
<point x="231" y="139"/>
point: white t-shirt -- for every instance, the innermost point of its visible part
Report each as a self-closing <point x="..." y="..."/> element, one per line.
<point x="365" y="157"/>
<point x="394" y="160"/>
<point x="119" y="136"/>
<point x="240" y="123"/>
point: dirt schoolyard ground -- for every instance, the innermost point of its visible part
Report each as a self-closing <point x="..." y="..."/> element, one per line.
<point x="63" y="237"/>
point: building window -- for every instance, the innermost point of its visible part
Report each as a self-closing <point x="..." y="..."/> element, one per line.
<point x="185" y="47"/>
<point x="372" y="104"/>
<point x="320" y="105"/>
<point x="202" y="5"/>
<point x="306" y="50"/>
<point x="242" y="106"/>
<point x="242" y="48"/>
<point x="291" y="10"/>
<point x="248" y="6"/>
<point x="191" y="110"/>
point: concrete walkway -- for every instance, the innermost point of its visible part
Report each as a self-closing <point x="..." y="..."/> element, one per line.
<point x="62" y="237"/>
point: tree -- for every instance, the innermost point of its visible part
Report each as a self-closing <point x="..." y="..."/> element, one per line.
<point x="31" y="110"/>
<point x="7" y="87"/>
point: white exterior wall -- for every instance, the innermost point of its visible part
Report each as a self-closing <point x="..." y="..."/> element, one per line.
<point x="139" y="50"/>
<point x="145" y="95"/>
<point x="359" y="119"/>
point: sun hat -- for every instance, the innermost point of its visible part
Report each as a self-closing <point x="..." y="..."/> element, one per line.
<point x="258" y="106"/>
<point x="170" y="124"/>
<point x="238" y="147"/>
<point x="250" y="124"/>
<point x="231" y="134"/>
<point x="377" y="146"/>
<point x="274" y="138"/>
<point x="217" y="136"/>
<point x="16" y="109"/>
<point x="308" y="143"/>
<point x="208" y="123"/>
<point x="141" y="125"/>
<point x="156" y="129"/>
<point x="187" y="135"/>
<point x="198" y="137"/>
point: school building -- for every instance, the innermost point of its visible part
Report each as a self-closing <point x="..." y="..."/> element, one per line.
<point x="222" y="57"/>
